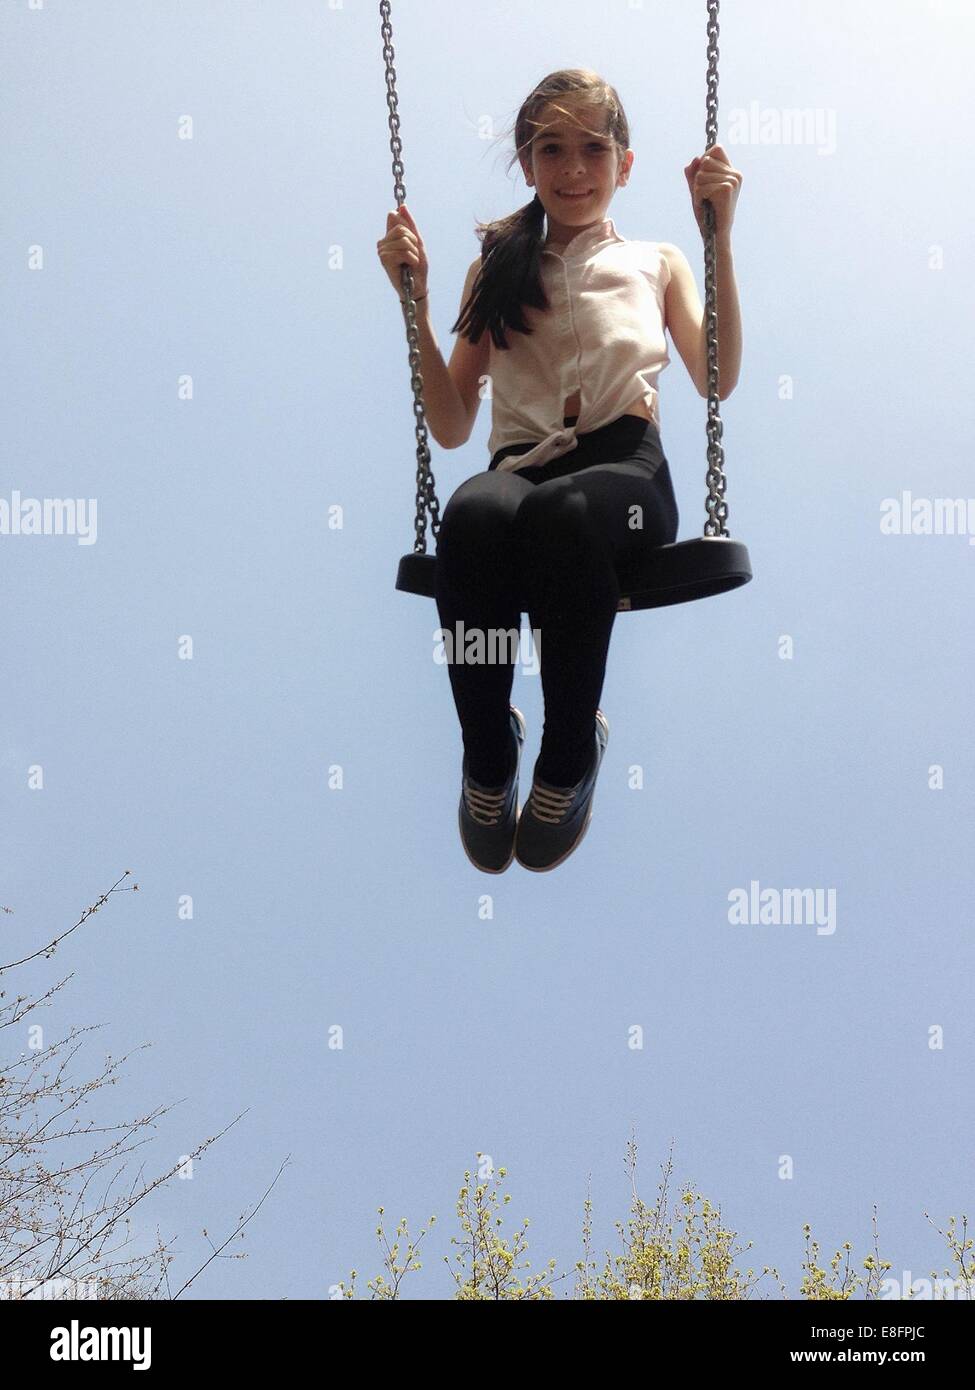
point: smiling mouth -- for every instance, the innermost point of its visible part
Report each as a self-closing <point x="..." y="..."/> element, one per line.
<point x="583" y="193"/>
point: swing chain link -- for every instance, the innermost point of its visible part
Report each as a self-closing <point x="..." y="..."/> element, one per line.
<point x="717" y="507"/>
<point x="426" y="488"/>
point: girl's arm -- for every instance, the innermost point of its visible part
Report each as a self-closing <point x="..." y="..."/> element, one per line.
<point x="449" y="391"/>
<point x="467" y="368"/>
<point x="685" y="318"/>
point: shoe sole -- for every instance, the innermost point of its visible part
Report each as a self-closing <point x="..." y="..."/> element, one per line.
<point x="547" y="868"/>
<point x="460" y="822"/>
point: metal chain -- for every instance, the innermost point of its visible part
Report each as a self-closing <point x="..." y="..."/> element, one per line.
<point x="426" y="488"/>
<point x="717" y="507"/>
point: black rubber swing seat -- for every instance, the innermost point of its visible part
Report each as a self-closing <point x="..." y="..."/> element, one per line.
<point x="664" y="574"/>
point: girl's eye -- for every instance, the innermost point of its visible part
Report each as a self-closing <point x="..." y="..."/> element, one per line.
<point x="593" y="146"/>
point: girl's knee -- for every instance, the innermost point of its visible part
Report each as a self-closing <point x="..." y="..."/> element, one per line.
<point x="479" y="513"/>
<point x="552" y="515"/>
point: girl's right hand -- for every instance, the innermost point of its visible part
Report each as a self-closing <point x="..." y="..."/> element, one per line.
<point x="403" y="245"/>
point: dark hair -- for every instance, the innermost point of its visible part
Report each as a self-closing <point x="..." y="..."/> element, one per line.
<point x="509" y="277"/>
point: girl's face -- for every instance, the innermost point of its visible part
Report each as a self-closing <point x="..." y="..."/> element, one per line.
<point x="574" y="172"/>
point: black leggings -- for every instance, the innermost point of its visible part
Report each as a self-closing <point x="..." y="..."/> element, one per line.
<point x="546" y="541"/>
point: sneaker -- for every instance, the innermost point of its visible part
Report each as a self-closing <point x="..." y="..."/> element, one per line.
<point x="488" y="815"/>
<point x="554" y="819"/>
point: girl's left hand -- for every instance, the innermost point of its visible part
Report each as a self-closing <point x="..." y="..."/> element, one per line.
<point x="712" y="176"/>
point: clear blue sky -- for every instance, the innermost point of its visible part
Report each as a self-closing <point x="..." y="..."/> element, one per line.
<point x="245" y="258"/>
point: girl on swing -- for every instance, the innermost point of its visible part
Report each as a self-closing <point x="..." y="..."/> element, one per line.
<point x="567" y="318"/>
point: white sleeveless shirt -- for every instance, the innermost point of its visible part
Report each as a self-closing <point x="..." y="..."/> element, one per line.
<point x="603" y="337"/>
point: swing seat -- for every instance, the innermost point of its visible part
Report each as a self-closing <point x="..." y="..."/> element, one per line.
<point x="686" y="570"/>
<point x="664" y="574"/>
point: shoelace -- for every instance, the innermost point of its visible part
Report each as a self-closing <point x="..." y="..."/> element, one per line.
<point x="484" y="807"/>
<point x="552" y="804"/>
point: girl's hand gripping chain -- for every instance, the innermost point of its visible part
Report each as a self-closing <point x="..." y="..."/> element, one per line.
<point x="712" y="176"/>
